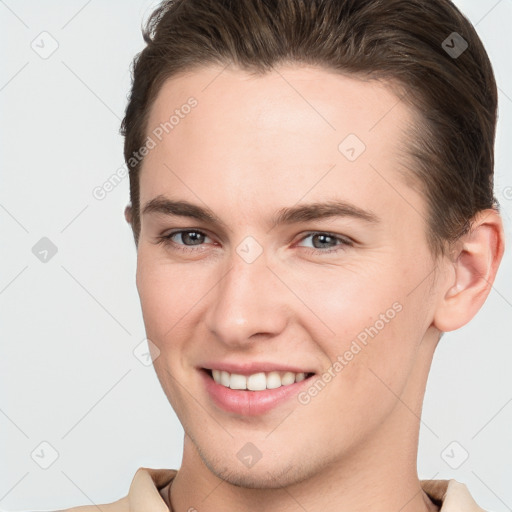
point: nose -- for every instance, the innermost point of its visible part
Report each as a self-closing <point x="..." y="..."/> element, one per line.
<point x="249" y="302"/>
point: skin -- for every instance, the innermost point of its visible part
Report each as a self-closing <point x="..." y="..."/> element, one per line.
<point x="253" y="145"/>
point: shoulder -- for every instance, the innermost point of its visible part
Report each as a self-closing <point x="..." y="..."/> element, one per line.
<point x="144" y="494"/>
<point x="121" y="505"/>
<point x="451" y="495"/>
<point x="458" y="495"/>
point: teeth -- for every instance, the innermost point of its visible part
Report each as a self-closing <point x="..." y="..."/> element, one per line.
<point x="257" y="381"/>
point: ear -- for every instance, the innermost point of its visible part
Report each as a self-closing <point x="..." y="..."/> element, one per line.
<point x="128" y="213"/>
<point x="473" y="267"/>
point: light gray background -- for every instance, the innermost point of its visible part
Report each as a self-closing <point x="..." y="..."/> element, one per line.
<point x="69" y="326"/>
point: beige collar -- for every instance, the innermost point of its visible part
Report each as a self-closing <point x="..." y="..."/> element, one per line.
<point x="144" y="492"/>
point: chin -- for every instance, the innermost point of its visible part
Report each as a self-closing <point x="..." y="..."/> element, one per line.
<point x="260" y="476"/>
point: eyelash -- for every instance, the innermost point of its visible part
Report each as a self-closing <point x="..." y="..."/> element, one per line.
<point x="344" y="242"/>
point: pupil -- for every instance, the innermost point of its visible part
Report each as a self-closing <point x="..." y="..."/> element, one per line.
<point x="323" y="237"/>
<point x="191" y="235"/>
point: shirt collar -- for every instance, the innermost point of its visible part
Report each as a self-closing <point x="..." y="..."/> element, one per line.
<point x="144" y="493"/>
<point x="144" y="490"/>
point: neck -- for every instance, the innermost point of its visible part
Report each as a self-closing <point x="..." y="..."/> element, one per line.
<point x="373" y="486"/>
<point x="378" y="474"/>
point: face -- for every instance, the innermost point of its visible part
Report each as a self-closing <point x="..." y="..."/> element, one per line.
<point x="343" y="290"/>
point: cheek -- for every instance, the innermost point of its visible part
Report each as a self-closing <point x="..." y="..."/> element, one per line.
<point x="347" y="301"/>
<point x="166" y="295"/>
<point x="372" y="322"/>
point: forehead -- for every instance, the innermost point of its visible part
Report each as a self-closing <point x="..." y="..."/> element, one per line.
<point x="303" y="100"/>
<point x="293" y="131"/>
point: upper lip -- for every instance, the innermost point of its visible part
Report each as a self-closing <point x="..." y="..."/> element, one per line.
<point x="253" y="367"/>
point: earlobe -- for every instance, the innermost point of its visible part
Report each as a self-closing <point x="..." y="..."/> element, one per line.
<point x="475" y="266"/>
<point x="128" y="213"/>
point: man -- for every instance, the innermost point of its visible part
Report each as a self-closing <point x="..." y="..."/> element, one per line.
<point x="312" y="206"/>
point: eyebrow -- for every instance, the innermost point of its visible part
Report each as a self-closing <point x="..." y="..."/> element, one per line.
<point x="288" y="215"/>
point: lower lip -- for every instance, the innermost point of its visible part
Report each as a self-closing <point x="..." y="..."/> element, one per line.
<point x="249" y="403"/>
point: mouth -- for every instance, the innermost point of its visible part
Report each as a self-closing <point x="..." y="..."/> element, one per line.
<point x="241" y="401"/>
<point x="259" y="381"/>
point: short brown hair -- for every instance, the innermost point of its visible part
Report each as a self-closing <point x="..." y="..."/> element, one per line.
<point x="405" y="42"/>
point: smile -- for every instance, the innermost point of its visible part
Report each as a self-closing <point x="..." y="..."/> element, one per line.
<point x="238" y="398"/>
<point x="257" y="381"/>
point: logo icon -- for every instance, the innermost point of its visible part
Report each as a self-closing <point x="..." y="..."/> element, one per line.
<point x="45" y="45"/>
<point x="44" y="250"/>
<point x="455" y="45"/>
<point x="351" y="147"/>
<point x="44" y="455"/>
<point x="455" y="455"/>
<point x="249" y="455"/>
<point x="249" y="249"/>
<point x="146" y="352"/>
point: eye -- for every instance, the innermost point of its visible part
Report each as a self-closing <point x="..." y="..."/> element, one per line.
<point x="327" y="242"/>
<point x="190" y="239"/>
